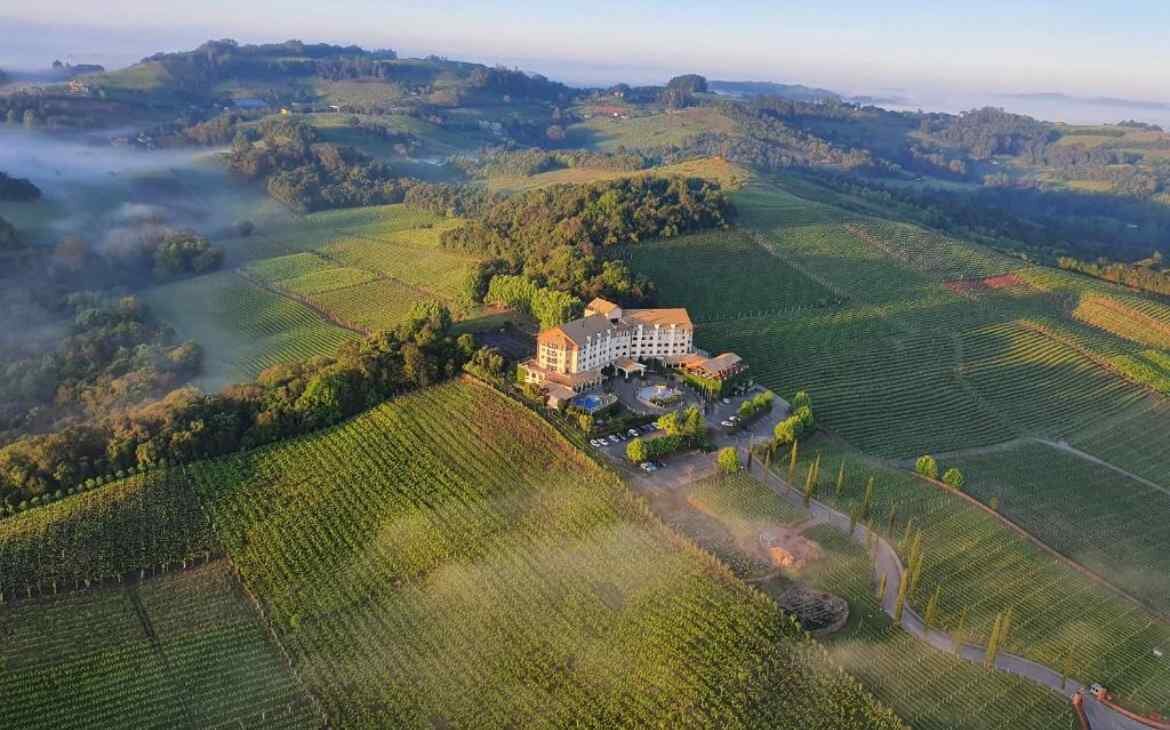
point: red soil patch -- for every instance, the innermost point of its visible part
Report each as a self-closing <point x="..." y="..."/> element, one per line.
<point x="963" y="287"/>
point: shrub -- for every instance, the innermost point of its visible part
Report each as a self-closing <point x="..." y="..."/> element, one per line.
<point x="728" y="460"/>
<point x="637" y="451"/>
<point x="927" y="466"/>
<point x="953" y="477"/>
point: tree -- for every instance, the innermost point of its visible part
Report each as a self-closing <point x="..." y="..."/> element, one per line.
<point x="636" y="451"/>
<point x="993" y="643"/>
<point x="810" y="482"/>
<point x="930" y="618"/>
<point x="957" y="637"/>
<point x="867" y="502"/>
<point x="900" y="602"/>
<point x="728" y="460"/>
<point x="954" y="478"/>
<point x="792" y="457"/>
<point x="916" y="559"/>
<point x="801" y="400"/>
<point x="893" y="519"/>
<point x="841" y="479"/>
<point x="927" y="466"/>
<point x="881" y="591"/>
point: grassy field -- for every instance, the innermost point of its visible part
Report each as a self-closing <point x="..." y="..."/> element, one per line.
<point x="447" y="559"/>
<point x="181" y="651"/>
<point x="1104" y="520"/>
<point x="739" y="278"/>
<point x="717" y="169"/>
<point x="930" y="688"/>
<point x="985" y="568"/>
<point x="363" y="267"/>
<point x="667" y="128"/>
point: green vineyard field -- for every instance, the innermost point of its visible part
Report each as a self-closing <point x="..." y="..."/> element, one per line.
<point x="181" y="651"/>
<point x="446" y="558"/>
<point x="242" y="328"/>
<point x="985" y="568"/>
<point x="1104" y="520"/>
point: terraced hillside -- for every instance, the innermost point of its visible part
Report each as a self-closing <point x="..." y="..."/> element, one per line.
<point x="446" y="558"/>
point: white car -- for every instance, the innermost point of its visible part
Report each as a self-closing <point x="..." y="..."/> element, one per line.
<point x="733" y="419"/>
<point x="614" y="438"/>
<point x="726" y="401"/>
<point x="633" y="432"/>
<point x="647" y="467"/>
<point x="597" y="443"/>
<point x="728" y="424"/>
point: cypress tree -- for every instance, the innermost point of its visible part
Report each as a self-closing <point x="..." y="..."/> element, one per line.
<point x="916" y="572"/>
<point x="792" y="456"/>
<point x="881" y="591"/>
<point x="900" y="603"/>
<point x="904" y="543"/>
<point x="957" y="637"/>
<point x="841" y="479"/>
<point x="1006" y="626"/>
<point x="810" y="482"/>
<point x="931" y="616"/>
<point x="993" y="643"/>
<point x="853" y="513"/>
<point x="893" y="519"/>
<point x="867" y="503"/>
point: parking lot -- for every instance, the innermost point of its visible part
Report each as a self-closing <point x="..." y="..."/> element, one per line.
<point x="682" y="468"/>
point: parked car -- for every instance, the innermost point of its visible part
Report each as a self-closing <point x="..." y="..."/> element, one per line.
<point x="646" y="466"/>
<point x="658" y="465"/>
<point x="648" y="427"/>
<point x="733" y="419"/>
<point x="614" y="438"/>
<point x="726" y="401"/>
<point x="633" y="432"/>
<point x="727" y="424"/>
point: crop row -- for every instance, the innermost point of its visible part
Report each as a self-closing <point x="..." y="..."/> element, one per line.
<point x="447" y="557"/>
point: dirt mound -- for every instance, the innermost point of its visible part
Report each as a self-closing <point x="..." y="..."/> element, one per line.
<point x="786" y="548"/>
<point x="819" y="613"/>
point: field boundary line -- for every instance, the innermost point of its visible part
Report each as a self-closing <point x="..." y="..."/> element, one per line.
<point x="319" y="311"/>
<point x="152" y="637"/>
<point x="258" y="607"/>
<point x="1070" y="449"/>
<point x="1155" y="613"/>
<point x="760" y="240"/>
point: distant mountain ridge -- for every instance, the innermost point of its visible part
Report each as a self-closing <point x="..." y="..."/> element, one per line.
<point x="1099" y="100"/>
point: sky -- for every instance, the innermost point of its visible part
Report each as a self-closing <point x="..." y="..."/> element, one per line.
<point x="909" y="47"/>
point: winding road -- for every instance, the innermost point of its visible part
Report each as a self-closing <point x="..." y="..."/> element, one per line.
<point x="1100" y="716"/>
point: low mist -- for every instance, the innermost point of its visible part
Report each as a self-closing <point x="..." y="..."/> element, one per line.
<point x="103" y="192"/>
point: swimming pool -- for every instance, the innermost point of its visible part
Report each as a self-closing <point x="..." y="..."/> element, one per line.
<point x="593" y="402"/>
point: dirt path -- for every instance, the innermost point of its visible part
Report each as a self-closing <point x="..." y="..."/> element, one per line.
<point x="888" y="563"/>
